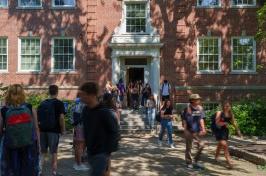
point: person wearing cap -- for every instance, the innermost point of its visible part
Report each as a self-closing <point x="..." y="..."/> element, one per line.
<point x="194" y="128"/>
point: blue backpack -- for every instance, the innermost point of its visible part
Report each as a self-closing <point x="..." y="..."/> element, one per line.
<point x="46" y="115"/>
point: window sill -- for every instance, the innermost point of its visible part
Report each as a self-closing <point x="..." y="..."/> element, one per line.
<point x="243" y="6"/>
<point x="57" y="72"/>
<point x="244" y="73"/>
<point x="64" y="8"/>
<point x="208" y="7"/>
<point x="209" y="73"/>
<point x="4" y="72"/>
<point x="29" y="8"/>
<point x="29" y="72"/>
<point x="3" y="7"/>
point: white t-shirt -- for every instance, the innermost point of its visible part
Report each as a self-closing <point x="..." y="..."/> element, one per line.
<point x="165" y="89"/>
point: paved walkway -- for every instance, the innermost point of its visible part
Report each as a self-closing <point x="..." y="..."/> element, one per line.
<point x="140" y="156"/>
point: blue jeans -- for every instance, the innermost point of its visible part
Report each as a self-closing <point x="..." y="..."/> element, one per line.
<point x="166" y="124"/>
<point x="151" y="116"/>
<point x="99" y="164"/>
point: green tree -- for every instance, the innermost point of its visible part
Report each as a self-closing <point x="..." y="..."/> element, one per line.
<point x="261" y="16"/>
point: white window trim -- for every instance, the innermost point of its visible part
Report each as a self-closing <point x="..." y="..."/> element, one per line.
<point x="243" y="5"/>
<point x="219" y="71"/>
<point x="19" y="55"/>
<point x="254" y="57"/>
<point x="209" y="6"/>
<point x="63" y="6"/>
<point x="146" y="16"/>
<point x="30" y="6"/>
<point x="4" y="7"/>
<point x="5" y="70"/>
<point x="74" y="57"/>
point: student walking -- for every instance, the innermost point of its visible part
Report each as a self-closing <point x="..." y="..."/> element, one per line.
<point x="78" y="137"/>
<point x="166" y="123"/>
<point x="135" y="97"/>
<point x="19" y="129"/>
<point x="220" y="123"/>
<point x="194" y="128"/>
<point x="165" y="90"/>
<point x="122" y="91"/>
<point x="146" y="93"/>
<point x="100" y="130"/>
<point x="151" y="110"/>
<point x="51" y="123"/>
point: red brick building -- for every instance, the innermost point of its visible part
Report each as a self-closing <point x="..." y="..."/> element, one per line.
<point x="201" y="46"/>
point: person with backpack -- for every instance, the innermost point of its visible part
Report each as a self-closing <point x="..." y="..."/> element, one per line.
<point x="20" y="132"/>
<point x="51" y="114"/>
<point x="100" y="130"/>
<point x="165" y="91"/>
<point x="219" y="125"/>
<point x="166" y="123"/>
<point x="78" y="137"/>
<point x="194" y="128"/>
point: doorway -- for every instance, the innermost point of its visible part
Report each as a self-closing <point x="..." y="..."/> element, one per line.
<point x="135" y="74"/>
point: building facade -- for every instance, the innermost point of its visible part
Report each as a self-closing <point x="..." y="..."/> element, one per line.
<point x="200" y="46"/>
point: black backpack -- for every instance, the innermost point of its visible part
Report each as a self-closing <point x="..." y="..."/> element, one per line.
<point x="46" y="115"/>
<point x="158" y="117"/>
<point x="213" y="124"/>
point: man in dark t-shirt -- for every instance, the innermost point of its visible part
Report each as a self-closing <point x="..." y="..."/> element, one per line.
<point x="49" y="137"/>
<point x="100" y="130"/>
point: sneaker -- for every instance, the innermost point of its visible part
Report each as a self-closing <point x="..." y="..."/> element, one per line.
<point x="199" y="166"/>
<point x="190" y="166"/>
<point x="75" y="166"/>
<point x="172" y="146"/>
<point x="160" y="143"/>
<point x="56" y="174"/>
<point x="84" y="167"/>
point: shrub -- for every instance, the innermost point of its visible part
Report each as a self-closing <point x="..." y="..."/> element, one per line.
<point x="250" y="116"/>
<point x="36" y="98"/>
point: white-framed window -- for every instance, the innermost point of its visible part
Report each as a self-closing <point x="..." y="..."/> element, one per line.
<point x="64" y="3"/>
<point x="208" y="3"/>
<point x="29" y="54"/>
<point x="63" y="54"/>
<point x="243" y="2"/>
<point x="3" y="3"/>
<point x="243" y="54"/>
<point x="209" y="54"/>
<point x="29" y="3"/>
<point x="3" y="54"/>
<point x="136" y="16"/>
<point x="210" y="106"/>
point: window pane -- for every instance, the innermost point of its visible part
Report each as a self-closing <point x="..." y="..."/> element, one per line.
<point x="243" y="56"/>
<point x="3" y="3"/>
<point x="208" y="54"/>
<point x="30" y="54"/>
<point x="30" y="3"/>
<point x="243" y="2"/>
<point x="208" y="2"/>
<point x="136" y="17"/>
<point x="63" y="54"/>
<point x="64" y="2"/>
<point x="3" y="53"/>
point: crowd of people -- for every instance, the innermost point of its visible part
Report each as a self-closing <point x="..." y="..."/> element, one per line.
<point x="28" y="134"/>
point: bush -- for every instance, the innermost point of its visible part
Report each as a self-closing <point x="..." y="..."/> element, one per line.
<point x="35" y="100"/>
<point x="250" y="116"/>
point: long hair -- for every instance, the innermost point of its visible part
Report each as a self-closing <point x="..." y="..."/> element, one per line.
<point x="15" y="95"/>
<point x="230" y="111"/>
<point x="165" y="104"/>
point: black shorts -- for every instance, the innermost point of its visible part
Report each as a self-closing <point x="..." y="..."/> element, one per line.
<point x="222" y="134"/>
<point x="165" y="97"/>
<point x="49" y="140"/>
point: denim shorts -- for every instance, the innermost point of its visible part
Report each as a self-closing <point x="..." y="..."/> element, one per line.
<point x="49" y="140"/>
